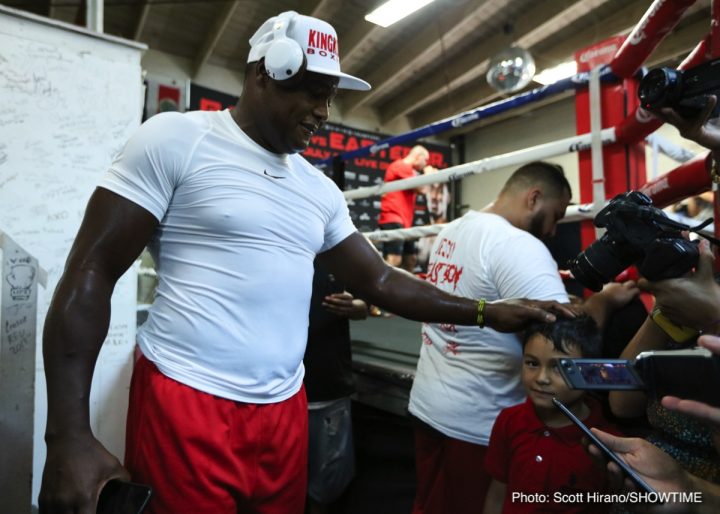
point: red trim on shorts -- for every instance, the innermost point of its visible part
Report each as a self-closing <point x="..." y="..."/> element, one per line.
<point x="205" y="454"/>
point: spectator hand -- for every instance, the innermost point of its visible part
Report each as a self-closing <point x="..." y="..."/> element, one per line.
<point x="693" y="300"/>
<point x="515" y="314"/>
<point x="345" y="305"/>
<point x="613" y="296"/>
<point x="696" y="129"/>
<point x="653" y="465"/>
<point x="620" y="294"/>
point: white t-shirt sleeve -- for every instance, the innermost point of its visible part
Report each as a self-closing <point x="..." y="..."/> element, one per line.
<point x="524" y="268"/>
<point x="153" y="161"/>
<point x="340" y="225"/>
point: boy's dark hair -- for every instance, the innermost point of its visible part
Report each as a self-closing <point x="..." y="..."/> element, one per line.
<point x="580" y="332"/>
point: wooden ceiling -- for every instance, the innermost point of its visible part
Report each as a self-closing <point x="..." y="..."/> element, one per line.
<point x="428" y="66"/>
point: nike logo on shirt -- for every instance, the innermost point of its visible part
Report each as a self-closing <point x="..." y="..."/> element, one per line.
<point x="272" y="176"/>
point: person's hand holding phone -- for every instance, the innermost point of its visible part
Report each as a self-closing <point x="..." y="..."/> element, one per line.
<point x="653" y="465"/>
<point x="75" y="469"/>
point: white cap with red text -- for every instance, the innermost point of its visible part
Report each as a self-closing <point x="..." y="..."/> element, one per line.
<point x="317" y="39"/>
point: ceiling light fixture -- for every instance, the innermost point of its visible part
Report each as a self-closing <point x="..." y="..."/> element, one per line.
<point x="559" y="72"/>
<point x="394" y="10"/>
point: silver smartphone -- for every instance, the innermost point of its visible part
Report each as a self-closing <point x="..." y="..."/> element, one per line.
<point x="606" y="451"/>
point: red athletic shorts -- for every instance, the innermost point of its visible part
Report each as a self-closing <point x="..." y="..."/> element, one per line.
<point x="203" y="454"/>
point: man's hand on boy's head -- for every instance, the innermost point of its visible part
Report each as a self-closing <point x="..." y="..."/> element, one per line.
<point x="571" y="310"/>
<point x="515" y="314"/>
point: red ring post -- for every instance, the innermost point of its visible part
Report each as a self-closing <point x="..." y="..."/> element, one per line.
<point x="657" y="22"/>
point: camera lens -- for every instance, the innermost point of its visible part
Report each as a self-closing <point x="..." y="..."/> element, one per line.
<point x="585" y="273"/>
<point x="601" y="262"/>
<point x="658" y="88"/>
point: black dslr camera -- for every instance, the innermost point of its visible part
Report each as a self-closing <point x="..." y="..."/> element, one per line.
<point x="636" y="233"/>
<point x="682" y="90"/>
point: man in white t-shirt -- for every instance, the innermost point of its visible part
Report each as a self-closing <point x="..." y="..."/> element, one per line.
<point x="467" y="375"/>
<point x="217" y="418"/>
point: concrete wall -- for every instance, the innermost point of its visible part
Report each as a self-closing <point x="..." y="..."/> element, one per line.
<point x="549" y="123"/>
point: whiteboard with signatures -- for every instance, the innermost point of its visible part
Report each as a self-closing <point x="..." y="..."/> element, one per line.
<point x="69" y="99"/>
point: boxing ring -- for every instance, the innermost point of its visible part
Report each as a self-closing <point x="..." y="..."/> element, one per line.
<point x="385" y="350"/>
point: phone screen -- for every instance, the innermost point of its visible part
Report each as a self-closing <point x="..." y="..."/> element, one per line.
<point x="607" y="451"/>
<point x="606" y="373"/>
<point x="119" y="497"/>
<point x="600" y="374"/>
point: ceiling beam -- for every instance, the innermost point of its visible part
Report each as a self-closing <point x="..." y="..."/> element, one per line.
<point x="621" y="22"/>
<point x="221" y="20"/>
<point x="461" y="18"/>
<point x="80" y="13"/>
<point x="353" y="42"/>
<point x="39" y="7"/>
<point x="540" y="21"/>
<point x="143" y="10"/>
<point x="678" y="43"/>
<point x="314" y="8"/>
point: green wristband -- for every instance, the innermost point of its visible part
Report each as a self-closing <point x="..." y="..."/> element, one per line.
<point x="481" y="313"/>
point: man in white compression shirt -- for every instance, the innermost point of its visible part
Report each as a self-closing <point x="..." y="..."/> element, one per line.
<point x="217" y="419"/>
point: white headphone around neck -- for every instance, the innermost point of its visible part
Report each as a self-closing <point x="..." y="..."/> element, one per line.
<point x="284" y="58"/>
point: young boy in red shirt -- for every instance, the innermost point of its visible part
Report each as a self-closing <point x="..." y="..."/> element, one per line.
<point x="535" y="455"/>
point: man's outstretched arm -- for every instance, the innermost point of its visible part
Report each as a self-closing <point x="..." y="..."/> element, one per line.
<point x="359" y="266"/>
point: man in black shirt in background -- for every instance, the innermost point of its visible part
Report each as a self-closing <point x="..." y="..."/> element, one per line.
<point x="329" y="384"/>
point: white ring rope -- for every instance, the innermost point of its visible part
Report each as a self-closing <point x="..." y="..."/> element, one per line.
<point x="571" y="144"/>
<point x="404" y="233"/>
<point x="534" y="153"/>
<point x="543" y="151"/>
<point x="573" y="213"/>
